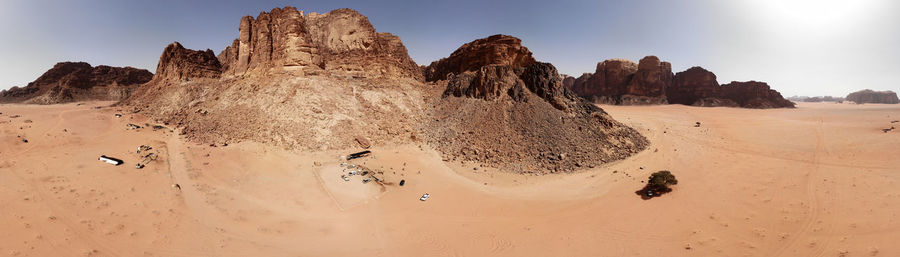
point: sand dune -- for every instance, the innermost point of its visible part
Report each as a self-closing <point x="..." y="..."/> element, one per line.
<point x="820" y="180"/>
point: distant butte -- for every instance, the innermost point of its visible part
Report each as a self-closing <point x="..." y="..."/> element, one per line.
<point x="871" y="96"/>
<point x="623" y="82"/>
<point x="78" y="81"/>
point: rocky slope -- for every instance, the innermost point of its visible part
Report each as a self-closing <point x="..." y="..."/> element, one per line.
<point x="518" y="115"/>
<point x="300" y="81"/>
<point x="651" y="81"/>
<point x="78" y="81"/>
<point x="330" y="81"/>
<point x="871" y="96"/>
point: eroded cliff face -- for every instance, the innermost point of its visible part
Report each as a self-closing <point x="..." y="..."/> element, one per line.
<point x="608" y="81"/>
<point x="286" y="39"/>
<point x="493" y="50"/>
<point x="78" y="81"/>
<point x="692" y="85"/>
<point x="753" y="94"/>
<point x="651" y="81"/>
<point x="620" y="81"/>
<point x="871" y="96"/>
<point x="179" y="63"/>
<point x="295" y="80"/>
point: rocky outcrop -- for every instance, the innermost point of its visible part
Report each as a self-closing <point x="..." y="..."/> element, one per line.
<point x="496" y="49"/>
<point x="609" y="80"/>
<point x="623" y="82"/>
<point x="78" y="81"/>
<point x="522" y="118"/>
<point x="698" y="87"/>
<point x="179" y="63"/>
<point x="651" y="78"/>
<point x="344" y="40"/>
<point x="753" y="94"/>
<point x="871" y="96"/>
<point x="691" y="85"/>
<point x="293" y="80"/>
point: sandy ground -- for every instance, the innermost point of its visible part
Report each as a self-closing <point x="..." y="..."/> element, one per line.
<point x="820" y="180"/>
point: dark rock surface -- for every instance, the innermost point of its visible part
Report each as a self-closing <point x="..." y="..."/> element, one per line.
<point x="78" y="81"/>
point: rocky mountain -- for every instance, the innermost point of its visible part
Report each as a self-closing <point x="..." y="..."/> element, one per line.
<point x="651" y="81"/>
<point x="78" y="81"/>
<point x="871" y="96"/>
<point x="286" y="39"/>
<point x="298" y="80"/>
<point x="496" y="49"/>
<point x="516" y="113"/>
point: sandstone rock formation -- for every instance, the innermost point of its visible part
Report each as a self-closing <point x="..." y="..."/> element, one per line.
<point x="496" y="49"/>
<point x="620" y="81"/>
<point x="651" y="78"/>
<point x="300" y="81"/>
<point x="871" y="96"/>
<point x="520" y="116"/>
<point x="78" y="81"/>
<point x="753" y="94"/>
<point x="651" y="81"/>
<point x="179" y="63"/>
<point x="692" y="85"/>
<point x="608" y="82"/>
<point x="286" y="39"/>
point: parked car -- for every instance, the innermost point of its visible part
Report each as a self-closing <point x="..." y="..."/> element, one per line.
<point x="424" y="197"/>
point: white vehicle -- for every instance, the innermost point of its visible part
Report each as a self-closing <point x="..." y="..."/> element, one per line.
<point x="110" y="160"/>
<point x="424" y="197"/>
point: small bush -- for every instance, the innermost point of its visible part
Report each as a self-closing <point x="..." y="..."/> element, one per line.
<point x="657" y="185"/>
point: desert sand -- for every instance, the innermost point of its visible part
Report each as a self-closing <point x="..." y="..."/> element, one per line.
<point x="819" y="180"/>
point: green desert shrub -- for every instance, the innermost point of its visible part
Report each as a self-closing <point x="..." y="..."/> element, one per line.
<point x="658" y="184"/>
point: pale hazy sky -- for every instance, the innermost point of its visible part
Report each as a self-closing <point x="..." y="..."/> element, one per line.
<point x="804" y="47"/>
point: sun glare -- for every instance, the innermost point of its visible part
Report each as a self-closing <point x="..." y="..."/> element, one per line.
<point x="824" y="14"/>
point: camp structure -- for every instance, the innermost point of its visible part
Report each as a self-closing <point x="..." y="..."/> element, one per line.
<point x="110" y="160"/>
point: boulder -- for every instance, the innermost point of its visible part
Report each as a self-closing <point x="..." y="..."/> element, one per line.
<point x="871" y="96"/>
<point x="496" y="49"/>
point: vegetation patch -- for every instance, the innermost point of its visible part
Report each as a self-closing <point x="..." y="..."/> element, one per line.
<point x="658" y="184"/>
